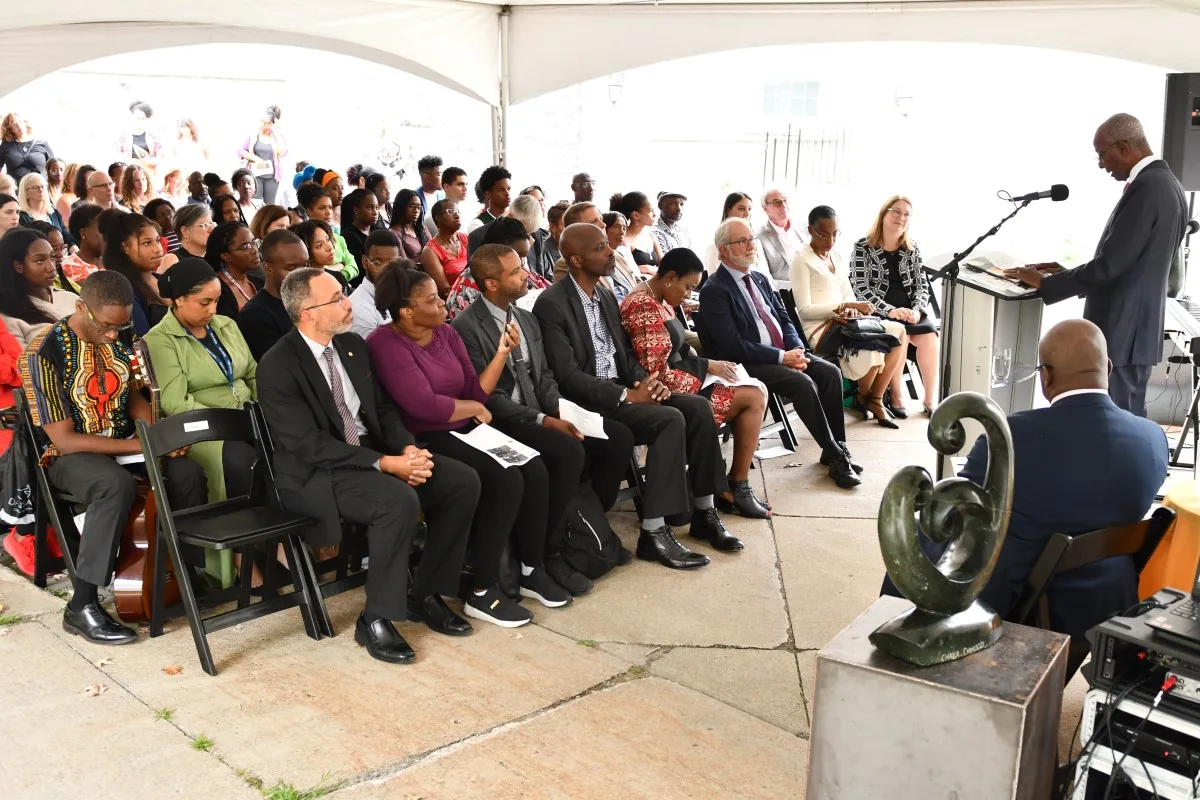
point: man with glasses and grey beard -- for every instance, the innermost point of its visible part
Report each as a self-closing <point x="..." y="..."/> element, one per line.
<point x="342" y="453"/>
<point x="84" y="396"/>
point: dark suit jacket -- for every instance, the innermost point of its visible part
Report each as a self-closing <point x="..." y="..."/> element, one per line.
<point x="1126" y="281"/>
<point x="475" y="238"/>
<point x="731" y="324"/>
<point x="307" y="431"/>
<point x="479" y="333"/>
<point x="570" y="352"/>
<point x="1081" y="465"/>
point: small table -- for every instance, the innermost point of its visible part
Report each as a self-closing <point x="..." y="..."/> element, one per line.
<point x="1174" y="561"/>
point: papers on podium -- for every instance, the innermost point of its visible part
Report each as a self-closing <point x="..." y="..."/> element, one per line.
<point x="589" y="423"/>
<point x="507" y="451"/>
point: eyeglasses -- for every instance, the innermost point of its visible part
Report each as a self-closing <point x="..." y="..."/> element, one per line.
<point x="1102" y="153"/>
<point x="341" y="298"/>
<point x="586" y="183"/>
<point x="452" y="212"/>
<point x="782" y="201"/>
<point x="821" y="235"/>
<point x="253" y="244"/>
<point x="740" y="242"/>
<point x="898" y="214"/>
<point x="102" y="328"/>
<point x="206" y="226"/>
<point x="107" y="185"/>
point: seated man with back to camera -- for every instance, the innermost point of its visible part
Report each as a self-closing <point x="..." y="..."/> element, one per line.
<point x="341" y="452"/>
<point x="595" y="365"/>
<point x="1083" y="464"/>
<point x="746" y="323"/>
<point x="84" y="395"/>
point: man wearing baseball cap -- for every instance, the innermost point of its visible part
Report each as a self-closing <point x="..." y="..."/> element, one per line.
<point x="669" y="232"/>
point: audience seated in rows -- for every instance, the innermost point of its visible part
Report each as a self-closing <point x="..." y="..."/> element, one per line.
<point x="506" y="231"/>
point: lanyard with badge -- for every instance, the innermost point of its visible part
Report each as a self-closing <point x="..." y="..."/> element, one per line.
<point x="220" y="355"/>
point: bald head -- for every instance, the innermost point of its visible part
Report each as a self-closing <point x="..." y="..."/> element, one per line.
<point x="1125" y="127"/>
<point x="1120" y="143"/>
<point x="586" y="250"/>
<point x="1074" y="355"/>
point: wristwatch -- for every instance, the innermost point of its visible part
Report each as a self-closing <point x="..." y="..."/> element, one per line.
<point x="624" y="394"/>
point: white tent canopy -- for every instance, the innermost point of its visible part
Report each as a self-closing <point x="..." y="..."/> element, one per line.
<point x="508" y="53"/>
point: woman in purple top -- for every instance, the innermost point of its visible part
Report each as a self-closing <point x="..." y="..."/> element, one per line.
<point x="423" y="365"/>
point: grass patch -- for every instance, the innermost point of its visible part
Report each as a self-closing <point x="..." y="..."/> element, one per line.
<point x="61" y="594"/>
<point x="250" y="779"/>
<point x="10" y="619"/>
<point x="285" y="791"/>
<point x="587" y="643"/>
<point x="637" y="672"/>
<point x="164" y="714"/>
<point x="202" y="742"/>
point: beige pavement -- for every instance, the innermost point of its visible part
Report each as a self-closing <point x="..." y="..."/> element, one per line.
<point x="659" y="684"/>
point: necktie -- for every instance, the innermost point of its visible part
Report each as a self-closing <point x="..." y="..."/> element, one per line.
<point x="767" y="319"/>
<point x="349" y="427"/>
<point x="524" y="381"/>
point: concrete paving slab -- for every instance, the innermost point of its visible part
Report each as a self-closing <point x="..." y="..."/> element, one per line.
<point x="735" y="600"/>
<point x="285" y="707"/>
<point x="832" y="571"/>
<point x="64" y="743"/>
<point x="807" y="663"/>
<point x="763" y="683"/>
<point x="633" y="653"/>
<point x="19" y="596"/>
<point x="645" y="738"/>
<point x="808" y="491"/>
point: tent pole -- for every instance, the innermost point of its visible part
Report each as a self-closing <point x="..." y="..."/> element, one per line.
<point x="500" y="112"/>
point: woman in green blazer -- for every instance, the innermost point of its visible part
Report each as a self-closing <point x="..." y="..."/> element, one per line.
<point x="200" y="360"/>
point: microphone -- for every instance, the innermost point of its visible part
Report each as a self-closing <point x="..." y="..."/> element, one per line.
<point x="1057" y="193"/>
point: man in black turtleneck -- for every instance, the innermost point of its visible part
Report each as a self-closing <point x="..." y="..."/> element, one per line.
<point x="263" y="321"/>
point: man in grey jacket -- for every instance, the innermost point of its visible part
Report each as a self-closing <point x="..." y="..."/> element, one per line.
<point x="1125" y="283"/>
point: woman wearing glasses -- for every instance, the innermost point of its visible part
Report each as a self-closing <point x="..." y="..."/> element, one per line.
<point x="886" y="271"/>
<point x="827" y="307"/>
<point x="201" y="361"/>
<point x="445" y="256"/>
<point x="192" y="224"/>
<point x="29" y="303"/>
<point x="232" y="252"/>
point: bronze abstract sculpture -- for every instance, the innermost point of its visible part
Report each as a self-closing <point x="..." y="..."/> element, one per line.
<point x="949" y="622"/>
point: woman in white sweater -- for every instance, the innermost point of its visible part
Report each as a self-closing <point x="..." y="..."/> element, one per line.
<point x="825" y="301"/>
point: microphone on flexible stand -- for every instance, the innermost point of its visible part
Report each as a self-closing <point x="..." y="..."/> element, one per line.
<point x="1058" y="192"/>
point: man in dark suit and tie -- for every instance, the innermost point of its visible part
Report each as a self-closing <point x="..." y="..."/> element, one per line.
<point x="745" y="322"/>
<point x="595" y="366"/>
<point x="1126" y="281"/>
<point x="524" y="403"/>
<point x="1080" y="465"/>
<point x="341" y="452"/>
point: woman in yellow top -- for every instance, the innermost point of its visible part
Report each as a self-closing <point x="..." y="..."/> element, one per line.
<point x="200" y="360"/>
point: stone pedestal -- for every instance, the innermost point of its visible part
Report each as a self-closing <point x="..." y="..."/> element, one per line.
<point x="984" y="727"/>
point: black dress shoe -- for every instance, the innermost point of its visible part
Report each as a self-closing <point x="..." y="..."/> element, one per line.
<point x="843" y="474"/>
<point x="565" y="576"/>
<point x="624" y="557"/>
<point x="94" y="624"/>
<point x="383" y="641"/>
<point x="745" y="503"/>
<point x="827" y="459"/>
<point x="434" y="612"/>
<point x="707" y="525"/>
<point x="661" y="545"/>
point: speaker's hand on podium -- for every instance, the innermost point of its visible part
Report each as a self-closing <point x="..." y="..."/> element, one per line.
<point x="1028" y="275"/>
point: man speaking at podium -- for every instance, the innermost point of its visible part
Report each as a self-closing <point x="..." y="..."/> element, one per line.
<point x="1125" y="283"/>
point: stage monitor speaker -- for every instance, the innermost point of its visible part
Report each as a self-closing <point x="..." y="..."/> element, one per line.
<point x="1181" y="128"/>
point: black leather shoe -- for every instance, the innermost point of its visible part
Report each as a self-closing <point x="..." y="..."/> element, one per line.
<point x="660" y="545"/>
<point x="707" y="525"/>
<point x="826" y="459"/>
<point x="94" y="624"/>
<point x="434" y="612"/>
<point x="383" y="641"/>
<point x="745" y="503"/>
<point x="624" y="557"/>
<point x="565" y="576"/>
<point x="843" y="474"/>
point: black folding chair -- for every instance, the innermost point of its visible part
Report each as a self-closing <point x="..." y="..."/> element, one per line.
<point x="1064" y="553"/>
<point x="239" y="523"/>
<point x="52" y="508"/>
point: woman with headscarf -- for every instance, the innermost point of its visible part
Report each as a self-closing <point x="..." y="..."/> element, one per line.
<point x="331" y="182"/>
<point x="318" y="206"/>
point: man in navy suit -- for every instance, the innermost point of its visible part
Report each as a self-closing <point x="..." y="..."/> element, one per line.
<point x="745" y="322"/>
<point x="1081" y="465"/>
<point x="1126" y="281"/>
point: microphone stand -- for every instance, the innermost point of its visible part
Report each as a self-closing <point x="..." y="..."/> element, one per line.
<point x="949" y="273"/>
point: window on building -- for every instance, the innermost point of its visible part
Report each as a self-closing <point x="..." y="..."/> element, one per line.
<point x="791" y="98"/>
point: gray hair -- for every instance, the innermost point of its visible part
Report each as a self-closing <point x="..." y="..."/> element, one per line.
<point x="106" y="287"/>
<point x="723" y="235"/>
<point x="296" y="290"/>
<point x="767" y="193"/>
<point x="1125" y="127"/>
<point x="528" y="211"/>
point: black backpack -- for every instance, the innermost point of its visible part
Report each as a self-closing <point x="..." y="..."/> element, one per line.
<point x="591" y="547"/>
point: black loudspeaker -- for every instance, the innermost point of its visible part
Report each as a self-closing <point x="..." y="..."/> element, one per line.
<point x="1181" y="128"/>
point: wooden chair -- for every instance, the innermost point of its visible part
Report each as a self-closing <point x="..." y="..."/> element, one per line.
<point x="1064" y="553"/>
<point x="238" y="523"/>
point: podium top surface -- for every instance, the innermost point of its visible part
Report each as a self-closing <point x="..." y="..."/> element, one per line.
<point x="1000" y="288"/>
<point x="1007" y="672"/>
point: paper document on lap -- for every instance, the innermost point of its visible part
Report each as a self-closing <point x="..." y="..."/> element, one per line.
<point x="589" y="423"/>
<point x="507" y="452"/>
